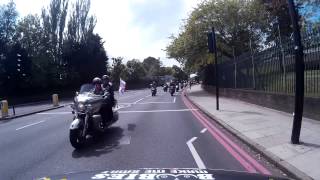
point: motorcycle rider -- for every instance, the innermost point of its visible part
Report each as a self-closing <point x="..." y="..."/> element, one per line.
<point x="153" y="85"/>
<point x="97" y="86"/>
<point x="106" y="108"/>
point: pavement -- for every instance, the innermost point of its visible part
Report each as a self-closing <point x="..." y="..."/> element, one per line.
<point x="152" y="132"/>
<point x="267" y="130"/>
<point x="31" y="108"/>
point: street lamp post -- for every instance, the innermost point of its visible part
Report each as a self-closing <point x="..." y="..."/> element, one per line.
<point x="299" y="66"/>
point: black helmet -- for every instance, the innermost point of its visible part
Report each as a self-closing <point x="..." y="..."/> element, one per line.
<point x="96" y="80"/>
<point x="105" y="77"/>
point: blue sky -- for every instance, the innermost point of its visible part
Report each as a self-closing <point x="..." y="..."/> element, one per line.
<point x="130" y="28"/>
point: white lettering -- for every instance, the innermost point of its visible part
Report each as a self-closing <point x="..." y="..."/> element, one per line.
<point x="116" y="176"/>
<point x="205" y="176"/>
<point x="154" y="171"/>
<point x="181" y="171"/>
<point x="99" y="176"/>
<point x="147" y="176"/>
<point x="124" y="171"/>
<point x="131" y="176"/>
<point x="174" y="171"/>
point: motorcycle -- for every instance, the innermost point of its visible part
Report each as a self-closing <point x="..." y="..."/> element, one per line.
<point x="172" y="89"/>
<point x="87" y="119"/>
<point x="177" y="88"/>
<point x="153" y="91"/>
<point x="181" y="86"/>
<point x="165" y="88"/>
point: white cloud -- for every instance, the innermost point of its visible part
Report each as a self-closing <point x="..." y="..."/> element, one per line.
<point x="130" y="28"/>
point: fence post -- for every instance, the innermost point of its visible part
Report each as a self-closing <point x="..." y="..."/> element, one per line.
<point x="235" y="69"/>
<point x="253" y="68"/>
<point x="282" y="60"/>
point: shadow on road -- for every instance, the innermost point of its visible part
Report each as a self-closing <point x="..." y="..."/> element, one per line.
<point x="97" y="146"/>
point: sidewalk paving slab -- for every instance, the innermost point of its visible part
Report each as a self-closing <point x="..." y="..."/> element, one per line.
<point x="266" y="130"/>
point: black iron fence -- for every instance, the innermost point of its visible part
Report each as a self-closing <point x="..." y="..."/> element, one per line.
<point x="272" y="69"/>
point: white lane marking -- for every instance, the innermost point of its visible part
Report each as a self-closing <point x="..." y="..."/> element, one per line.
<point x="203" y="130"/>
<point x="30" y="125"/>
<point x="155" y="103"/>
<point x="47" y="113"/>
<point x="174" y="100"/>
<point x="168" y="110"/>
<point x="195" y="154"/>
<point x="148" y="95"/>
<point x="138" y="101"/>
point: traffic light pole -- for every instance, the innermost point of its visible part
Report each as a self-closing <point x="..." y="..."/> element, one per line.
<point x="216" y="67"/>
<point x="299" y="68"/>
<point x="213" y="49"/>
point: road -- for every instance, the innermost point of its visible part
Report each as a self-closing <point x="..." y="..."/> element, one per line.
<point x="152" y="132"/>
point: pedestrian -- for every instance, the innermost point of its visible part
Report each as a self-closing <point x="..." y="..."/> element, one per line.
<point x="190" y="84"/>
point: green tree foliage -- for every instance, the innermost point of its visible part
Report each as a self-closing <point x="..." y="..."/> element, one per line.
<point x="136" y="70"/>
<point x="152" y="66"/>
<point x="53" y="53"/>
<point x="178" y="73"/>
<point x="8" y="21"/>
<point x="237" y="23"/>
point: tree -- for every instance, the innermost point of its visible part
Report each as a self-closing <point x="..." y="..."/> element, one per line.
<point x="165" y="71"/>
<point x="29" y="34"/>
<point x="136" y="70"/>
<point x="238" y="25"/>
<point x="117" y="70"/>
<point x="86" y="60"/>
<point x="17" y="67"/>
<point x="8" y="21"/>
<point x="152" y="66"/>
<point x="178" y="73"/>
<point x="54" y="20"/>
<point x="80" y="24"/>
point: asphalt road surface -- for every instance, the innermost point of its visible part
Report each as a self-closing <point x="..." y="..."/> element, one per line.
<point x="152" y="132"/>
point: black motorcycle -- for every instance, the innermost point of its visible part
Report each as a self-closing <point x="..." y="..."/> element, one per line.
<point x="153" y="91"/>
<point x="172" y="89"/>
<point x="165" y="88"/>
<point x="177" y="88"/>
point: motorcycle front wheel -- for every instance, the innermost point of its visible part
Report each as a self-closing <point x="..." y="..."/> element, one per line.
<point x="75" y="138"/>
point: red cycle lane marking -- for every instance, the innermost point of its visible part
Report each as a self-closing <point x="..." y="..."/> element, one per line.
<point x="242" y="161"/>
<point x="257" y="165"/>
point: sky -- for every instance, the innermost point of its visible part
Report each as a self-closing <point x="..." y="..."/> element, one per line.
<point x="130" y="28"/>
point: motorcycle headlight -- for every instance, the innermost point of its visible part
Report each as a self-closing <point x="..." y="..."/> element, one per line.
<point x="81" y="107"/>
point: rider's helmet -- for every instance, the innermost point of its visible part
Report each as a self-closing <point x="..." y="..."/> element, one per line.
<point x="105" y="78"/>
<point x="96" y="81"/>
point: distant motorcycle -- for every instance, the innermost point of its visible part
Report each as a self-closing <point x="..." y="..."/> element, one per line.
<point x="87" y="119"/>
<point x="165" y="88"/>
<point x="153" y="91"/>
<point x="177" y="88"/>
<point x="172" y="89"/>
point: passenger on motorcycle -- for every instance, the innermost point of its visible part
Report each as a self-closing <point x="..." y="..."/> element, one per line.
<point x="109" y="100"/>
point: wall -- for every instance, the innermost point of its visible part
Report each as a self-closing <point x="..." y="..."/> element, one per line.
<point x="280" y="102"/>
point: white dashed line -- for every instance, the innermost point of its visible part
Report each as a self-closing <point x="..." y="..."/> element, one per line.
<point x="48" y="113"/>
<point x="29" y="125"/>
<point x="138" y="101"/>
<point x="195" y="154"/>
<point x="174" y="100"/>
<point x="203" y="130"/>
